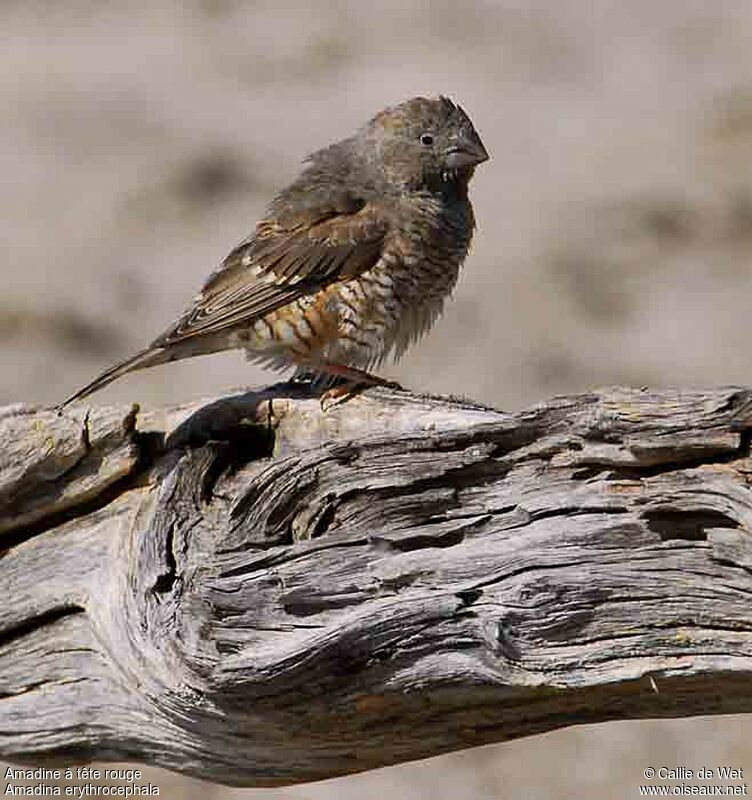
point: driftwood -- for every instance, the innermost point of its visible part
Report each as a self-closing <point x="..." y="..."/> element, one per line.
<point x="259" y="592"/>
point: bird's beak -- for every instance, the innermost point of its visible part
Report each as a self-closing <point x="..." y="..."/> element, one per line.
<point x="465" y="150"/>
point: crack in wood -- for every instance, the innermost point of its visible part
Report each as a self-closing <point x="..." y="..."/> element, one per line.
<point x="33" y="624"/>
<point x="419" y="541"/>
<point x="671" y="523"/>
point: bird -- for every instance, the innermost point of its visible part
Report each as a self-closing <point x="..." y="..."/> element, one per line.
<point x="350" y="264"/>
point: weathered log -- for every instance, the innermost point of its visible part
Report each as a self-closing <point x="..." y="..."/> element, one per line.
<point x="259" y="592"/>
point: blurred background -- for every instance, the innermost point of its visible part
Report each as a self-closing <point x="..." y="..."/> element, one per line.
<point x="140" y="141"/>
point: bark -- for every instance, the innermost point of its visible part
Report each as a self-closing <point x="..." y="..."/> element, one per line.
<point x="257" y="591"/>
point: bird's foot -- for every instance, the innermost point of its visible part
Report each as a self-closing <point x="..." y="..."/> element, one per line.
<point x="355" y="375"/>
<point x="350" y="382"/>
<point x="340" y="394"/>
<point x="346" y="391"/>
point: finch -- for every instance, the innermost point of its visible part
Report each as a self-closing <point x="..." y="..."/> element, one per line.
<point x="351" y="263"/>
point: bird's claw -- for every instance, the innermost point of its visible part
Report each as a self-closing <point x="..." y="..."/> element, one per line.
<point x="338" y="395"/>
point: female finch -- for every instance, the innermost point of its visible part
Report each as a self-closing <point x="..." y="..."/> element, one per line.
<point x="351" y="263"/>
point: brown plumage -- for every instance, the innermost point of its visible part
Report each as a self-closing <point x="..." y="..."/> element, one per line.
<point x="351" y="263"/>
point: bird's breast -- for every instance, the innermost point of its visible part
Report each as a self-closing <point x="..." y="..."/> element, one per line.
<point x="383" y="310"/>
<point x="390" y="306"/>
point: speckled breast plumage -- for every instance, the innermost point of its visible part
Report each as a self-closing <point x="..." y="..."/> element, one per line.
<point x="359" y="322"/>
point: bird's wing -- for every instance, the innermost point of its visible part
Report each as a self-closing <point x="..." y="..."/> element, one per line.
<point x="288" y="256"/>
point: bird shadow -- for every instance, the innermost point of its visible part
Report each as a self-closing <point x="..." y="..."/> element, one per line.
<point x="232" y="431"/>
<point x="225" y="419"/>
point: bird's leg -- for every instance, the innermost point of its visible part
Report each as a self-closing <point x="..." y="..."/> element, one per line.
<point x="356" y="375"/>
<point x="357" y="381"/>
<point x="340" y="394"/>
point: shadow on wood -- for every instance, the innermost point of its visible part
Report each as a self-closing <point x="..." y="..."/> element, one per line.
<point x="258" y="592"/>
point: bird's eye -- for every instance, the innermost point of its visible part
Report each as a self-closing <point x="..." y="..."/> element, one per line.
<point x="426" y="139"/>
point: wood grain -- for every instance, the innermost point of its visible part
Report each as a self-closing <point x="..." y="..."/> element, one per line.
<point x="258" y="592"/>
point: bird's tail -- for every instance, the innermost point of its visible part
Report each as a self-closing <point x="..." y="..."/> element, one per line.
<point x="146" y="358"/>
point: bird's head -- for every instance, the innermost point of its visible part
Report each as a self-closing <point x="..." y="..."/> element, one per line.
<point x="424" y="144"/>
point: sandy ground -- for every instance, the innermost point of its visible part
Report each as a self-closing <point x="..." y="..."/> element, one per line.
<point x="140" y="141"/>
